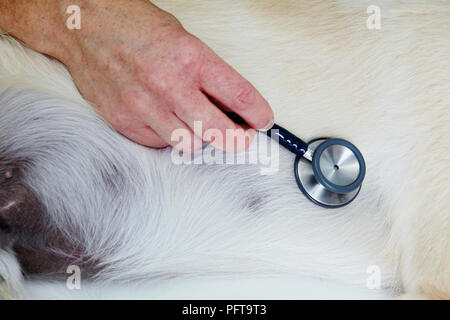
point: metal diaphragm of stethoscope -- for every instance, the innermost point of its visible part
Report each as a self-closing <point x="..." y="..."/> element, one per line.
<point x="329" y="172"/>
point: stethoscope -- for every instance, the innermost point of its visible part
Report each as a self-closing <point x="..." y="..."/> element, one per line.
<point x="328" y="171"/>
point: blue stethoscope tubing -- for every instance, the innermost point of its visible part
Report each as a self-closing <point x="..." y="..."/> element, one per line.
<point x="288" y="140"/>
<point x="313" y="162"/>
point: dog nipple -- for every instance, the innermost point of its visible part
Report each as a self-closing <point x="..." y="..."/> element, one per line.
<point x="9" y="174"/>
<point x="9" y="205"/>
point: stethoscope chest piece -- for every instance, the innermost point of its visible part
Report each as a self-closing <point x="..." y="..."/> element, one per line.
<point x="329" y="172"/>
<point x="332" y="177"/>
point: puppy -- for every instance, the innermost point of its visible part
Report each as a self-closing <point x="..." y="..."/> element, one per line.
<point x="75" y="192"/>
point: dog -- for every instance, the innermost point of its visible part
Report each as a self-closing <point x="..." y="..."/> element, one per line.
<point x="74" y="192"/>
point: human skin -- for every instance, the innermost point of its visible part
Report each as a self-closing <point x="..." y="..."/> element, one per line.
<point x="142" y="70"/>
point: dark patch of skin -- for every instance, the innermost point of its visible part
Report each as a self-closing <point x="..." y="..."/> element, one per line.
<point x="25" y="227"/>
<point x="112" y="179"/>
<point x="254" y="202"/>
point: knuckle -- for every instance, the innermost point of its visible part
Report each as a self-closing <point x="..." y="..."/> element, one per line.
<point x="244" y="97"/>
<point x="162" y="87"/>
<point x="160" y="84"/>
<point x="189" y="53"/>
<point x="135" y="102"/>
<point x="155" y="79"/>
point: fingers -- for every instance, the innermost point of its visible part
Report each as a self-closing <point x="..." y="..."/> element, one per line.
<point x="224" y="84"/>
<point x="212" y="125"/>
<point x="134" y="128"/>
<point x="145" y="136"/>
<point x="173" y="131"/>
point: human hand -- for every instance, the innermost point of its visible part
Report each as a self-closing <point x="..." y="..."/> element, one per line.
<point x="148" y="76"/>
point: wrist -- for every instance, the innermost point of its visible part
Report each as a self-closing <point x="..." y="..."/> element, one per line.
<point x="105" y="23"/>
<point x="40" y="24"/>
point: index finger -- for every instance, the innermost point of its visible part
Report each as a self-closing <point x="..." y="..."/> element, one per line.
<point x="226" y="85"/>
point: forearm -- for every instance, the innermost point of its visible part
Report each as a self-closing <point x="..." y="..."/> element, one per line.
<point x="41" y="24"/>
<point x="38" y="23"/>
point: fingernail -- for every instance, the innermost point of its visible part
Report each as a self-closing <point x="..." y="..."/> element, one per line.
<point x="268" y="126"/>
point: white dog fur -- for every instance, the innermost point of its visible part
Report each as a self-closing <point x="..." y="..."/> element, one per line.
<point x="226" y="230"/>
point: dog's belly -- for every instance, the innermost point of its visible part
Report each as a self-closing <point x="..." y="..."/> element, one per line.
<point x="137" y="215"/>
<point x="328" y="76"/>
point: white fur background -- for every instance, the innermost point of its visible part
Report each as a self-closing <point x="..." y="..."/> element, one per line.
<point x="325" y="74"/>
